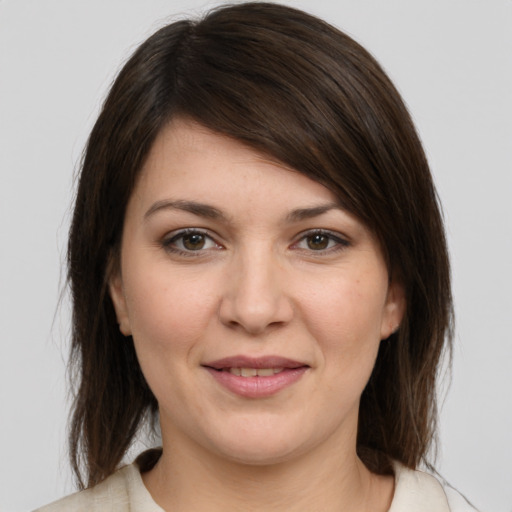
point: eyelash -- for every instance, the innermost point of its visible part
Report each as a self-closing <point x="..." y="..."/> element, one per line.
<point x="169" y="242"/>
<point x="338" y="242"/>
<point x="334" y="239"/>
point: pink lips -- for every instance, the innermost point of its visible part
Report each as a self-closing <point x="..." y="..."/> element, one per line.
<point x="227" y="373"/>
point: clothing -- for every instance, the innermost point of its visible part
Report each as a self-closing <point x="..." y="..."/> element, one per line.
<point x="124" y="491"/>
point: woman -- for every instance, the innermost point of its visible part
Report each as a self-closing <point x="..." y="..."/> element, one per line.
<point x="257" y="261"/>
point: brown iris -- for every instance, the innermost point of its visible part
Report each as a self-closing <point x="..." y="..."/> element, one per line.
<point x="318" y="242"/>
<point x="194" y="241"/>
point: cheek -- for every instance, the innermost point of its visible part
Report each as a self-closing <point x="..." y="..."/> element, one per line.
<point x="168" y="315"/>
<point x="345" y="306"/>
<point x="345" y="317"/>
<point x="168" y="310"/>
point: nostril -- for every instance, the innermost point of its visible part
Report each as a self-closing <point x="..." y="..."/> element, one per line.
<point x="255" y="303"/>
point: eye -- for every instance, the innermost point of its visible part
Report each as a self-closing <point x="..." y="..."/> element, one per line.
<point x="189" y="241"/>
<point x="321" y="241"/>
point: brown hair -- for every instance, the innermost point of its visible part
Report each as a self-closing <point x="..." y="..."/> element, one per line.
<point x="293" y="87"/>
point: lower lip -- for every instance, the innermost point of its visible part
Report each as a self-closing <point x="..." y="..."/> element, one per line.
<point x="258" y="387"/>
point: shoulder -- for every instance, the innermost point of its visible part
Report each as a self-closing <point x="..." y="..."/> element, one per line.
<point x="122" y="491"/>
<point x="458" y="503"/>
<point x="111" y="494"/>
<point x="417" y="491"/>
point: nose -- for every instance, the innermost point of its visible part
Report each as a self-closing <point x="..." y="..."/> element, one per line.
<point x="256" y="297"/>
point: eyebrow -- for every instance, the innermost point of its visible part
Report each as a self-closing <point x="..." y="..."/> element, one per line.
<point x="199" y="209"/>
<point x="210" y="212"/>
<point x="311" y="212"/>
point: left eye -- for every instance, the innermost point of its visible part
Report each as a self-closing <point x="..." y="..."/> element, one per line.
<point x="320" y="241"/>
<point x="190" y="241"/>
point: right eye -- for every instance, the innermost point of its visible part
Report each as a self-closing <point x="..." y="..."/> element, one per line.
<point x="189" y="241"/>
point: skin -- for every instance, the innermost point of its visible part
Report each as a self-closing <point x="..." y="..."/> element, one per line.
<point x="254" y="281"/>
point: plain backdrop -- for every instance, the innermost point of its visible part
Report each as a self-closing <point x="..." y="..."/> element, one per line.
<point x="451" y="60"/>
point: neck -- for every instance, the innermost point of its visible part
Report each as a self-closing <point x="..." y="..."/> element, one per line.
<point x="332" y="480"/>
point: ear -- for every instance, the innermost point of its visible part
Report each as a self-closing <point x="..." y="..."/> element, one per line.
<point x="116" y="290"/>
<point x="394" y="310"/>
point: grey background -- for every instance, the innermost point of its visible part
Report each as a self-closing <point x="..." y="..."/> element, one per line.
<point x="452" y="61"/>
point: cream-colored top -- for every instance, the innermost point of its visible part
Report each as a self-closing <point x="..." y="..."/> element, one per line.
<point x="124" y="491"/>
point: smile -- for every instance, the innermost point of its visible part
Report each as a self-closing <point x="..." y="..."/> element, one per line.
<point x="260" y="377"/>
<point x="253" y="372"/>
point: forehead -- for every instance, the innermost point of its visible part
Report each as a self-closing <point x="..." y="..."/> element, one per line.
<point x="190" y="162"/>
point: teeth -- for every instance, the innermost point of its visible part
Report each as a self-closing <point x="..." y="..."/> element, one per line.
<point x="248" y="372"/>
<point x="253" y="372"/>
<point x="265" y="372"/>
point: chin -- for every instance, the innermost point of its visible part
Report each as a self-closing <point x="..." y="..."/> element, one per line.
<point x="260" y="455"/>
<point x="261" y="447"/>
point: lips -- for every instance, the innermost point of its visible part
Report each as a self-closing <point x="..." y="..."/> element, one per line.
<point x="254" y="362"/>
<point x="256" y="377"/>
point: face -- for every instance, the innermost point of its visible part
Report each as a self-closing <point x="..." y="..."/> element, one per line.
<point x="256" y="304"/>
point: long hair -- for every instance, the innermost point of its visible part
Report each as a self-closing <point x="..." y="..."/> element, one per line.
<point x="293" y="87"/>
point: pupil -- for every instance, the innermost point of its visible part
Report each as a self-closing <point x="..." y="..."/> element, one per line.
<point x="193" y="241"/>
<point x="317" y="242"/>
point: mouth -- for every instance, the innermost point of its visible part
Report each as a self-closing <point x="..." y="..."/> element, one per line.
<point x="245" y="366"/>
<point x="253" y="372"/>
<point x="256" y="377"/>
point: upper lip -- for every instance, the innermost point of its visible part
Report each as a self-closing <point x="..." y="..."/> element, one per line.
<point x="241" y="361"/>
